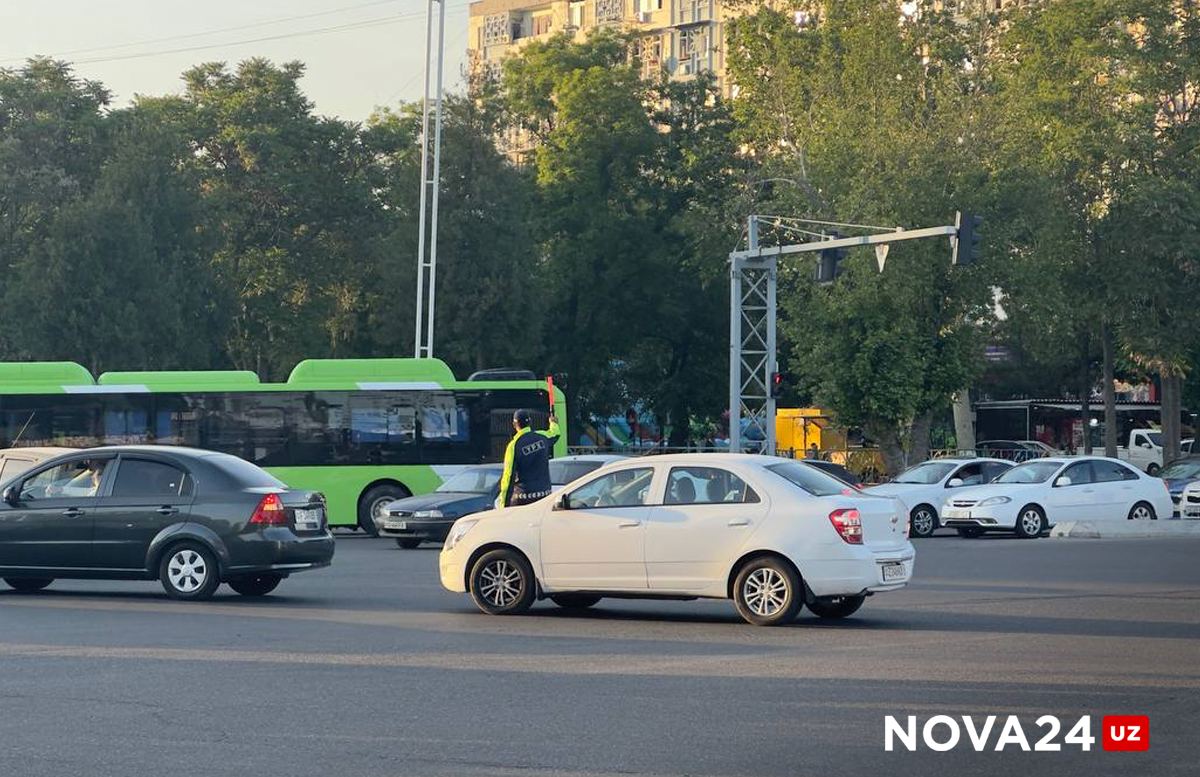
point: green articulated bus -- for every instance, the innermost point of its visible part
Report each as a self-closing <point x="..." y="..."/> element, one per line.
<point x="363" y="431"/>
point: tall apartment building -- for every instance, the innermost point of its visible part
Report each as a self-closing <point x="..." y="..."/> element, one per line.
<point x="682" y="37"/>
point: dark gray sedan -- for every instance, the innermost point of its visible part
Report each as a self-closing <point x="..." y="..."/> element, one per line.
<point x="190" y="518"/>
<point x="428" y="518"/>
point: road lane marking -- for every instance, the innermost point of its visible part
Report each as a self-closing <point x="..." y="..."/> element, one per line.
<point x="767" y="666"/>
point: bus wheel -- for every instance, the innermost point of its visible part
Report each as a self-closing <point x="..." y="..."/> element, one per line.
<point x="373" y="505"/>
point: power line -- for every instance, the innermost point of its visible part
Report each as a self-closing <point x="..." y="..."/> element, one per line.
<point x="235" y="28"/>
<point x="379" y="22"/>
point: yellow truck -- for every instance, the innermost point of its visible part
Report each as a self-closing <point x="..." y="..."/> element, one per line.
<point x="799" y="429"/>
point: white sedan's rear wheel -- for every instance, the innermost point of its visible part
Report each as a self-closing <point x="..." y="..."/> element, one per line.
<point x="767" y="592"/>
<point x="1142" y="512"/>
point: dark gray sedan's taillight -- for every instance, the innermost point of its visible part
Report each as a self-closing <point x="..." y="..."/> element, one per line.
<point x="270" y="512"/>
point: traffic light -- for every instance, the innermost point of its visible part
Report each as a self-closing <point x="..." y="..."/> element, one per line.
<point x="776" y="384"/>
<point x="829" y="262"/>
<point x="966" y="247"/>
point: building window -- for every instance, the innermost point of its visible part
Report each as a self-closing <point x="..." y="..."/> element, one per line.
<point x="609" y="10"/>
<point x="496" y="29"/>
<point x="541" y="24"/>
<point x="576" y="13"/>
<point x="649" y="6"/>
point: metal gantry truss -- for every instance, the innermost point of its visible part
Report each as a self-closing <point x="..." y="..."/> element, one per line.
<point x="431" y="171"/>
<point x="753" y="314"/>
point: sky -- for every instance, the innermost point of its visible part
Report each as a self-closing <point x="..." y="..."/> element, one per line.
<point x="373" y="56"/>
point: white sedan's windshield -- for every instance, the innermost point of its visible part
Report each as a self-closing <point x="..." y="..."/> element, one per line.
<point x="1033" y="472"/>
<point x="925" y="474"/>
<point x="472" y="481"/>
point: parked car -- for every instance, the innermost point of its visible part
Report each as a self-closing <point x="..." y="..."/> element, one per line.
<point x="1144" y="450"/>
<point x="1178" y="475"/>
<point x="1189" y="501"/>
<point x="837" y="470"/>
<point x="1009" y="450"/>
<point x="924" y="488"/>
<point x="427" y="518"/>
<point x="566" y="469"/>
<point x="191" y="518"/>
<point x="772" y="534"/>
<point x="14" y="461"/>
<point x="1046" y="449"/>
<point x="1031" y="497"/>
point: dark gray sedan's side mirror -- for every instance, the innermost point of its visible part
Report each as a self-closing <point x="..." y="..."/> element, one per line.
<point x="12" y="496"/>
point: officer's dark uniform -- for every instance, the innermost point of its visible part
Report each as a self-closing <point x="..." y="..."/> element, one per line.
<point x="526" y="475"/>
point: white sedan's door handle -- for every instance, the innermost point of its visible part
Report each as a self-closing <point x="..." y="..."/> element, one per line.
<point x="739" y="522"/>
<point x="628" y="524"/>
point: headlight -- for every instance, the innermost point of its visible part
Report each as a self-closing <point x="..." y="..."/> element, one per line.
<point x="995" y="500"/>
<point x="427" y="514"/>
<point x="458" y="531"/>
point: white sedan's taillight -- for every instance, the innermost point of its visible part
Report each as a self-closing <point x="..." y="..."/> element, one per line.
<point x="848" y="524"/>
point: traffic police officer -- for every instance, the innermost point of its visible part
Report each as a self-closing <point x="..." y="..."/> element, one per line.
<point x="526" y="475"/>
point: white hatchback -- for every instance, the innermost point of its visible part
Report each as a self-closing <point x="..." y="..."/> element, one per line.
<point x="1031" y="496"/>
<point x="772" y="534"/>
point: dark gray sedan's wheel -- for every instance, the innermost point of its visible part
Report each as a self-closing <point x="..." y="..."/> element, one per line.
<point x="1031" y="522"/>
<point x="767" y="592"/>
<point x="836" y="606"/>
<point x="255" y="585"/>
<point x="372" y="506"/>
<point x="28" y="584"/>
<point x="574" y="601"/>
<point x="189" y="571"/>
<point x="502" y="583"/>
<point x="408" y="543"/>
<point x="1142" y="511"/>
<point x="922" y="521"/>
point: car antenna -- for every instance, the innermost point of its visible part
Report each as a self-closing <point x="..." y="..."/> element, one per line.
<point x="28" y="421"/>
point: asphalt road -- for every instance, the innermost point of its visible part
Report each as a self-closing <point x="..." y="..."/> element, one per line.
<point x="370" y="668"/>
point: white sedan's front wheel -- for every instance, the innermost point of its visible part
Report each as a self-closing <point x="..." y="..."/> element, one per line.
<point x="1031" y="522"/>
<point x="767" y="592"/>
<point x="502" y="583"/>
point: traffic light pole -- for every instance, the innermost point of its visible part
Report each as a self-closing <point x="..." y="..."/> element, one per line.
<point x="753" y="313"/>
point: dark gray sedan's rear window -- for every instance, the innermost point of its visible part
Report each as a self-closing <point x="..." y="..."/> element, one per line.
<point x="809" y="479"/>
<point x="246" y="474"/>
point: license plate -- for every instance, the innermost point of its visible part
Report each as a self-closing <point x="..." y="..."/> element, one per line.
<point x="308" y="519"/>
<point x="955" y="512"/>
<point x="893" y="572"/>
<point x="396" y="525"/>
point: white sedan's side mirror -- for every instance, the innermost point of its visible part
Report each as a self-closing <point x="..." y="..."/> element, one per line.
<point x="954" y="482"/>
<point x="1063" y="481"/>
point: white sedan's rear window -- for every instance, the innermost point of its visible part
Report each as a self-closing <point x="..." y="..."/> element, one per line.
<point x="809" y="479"/>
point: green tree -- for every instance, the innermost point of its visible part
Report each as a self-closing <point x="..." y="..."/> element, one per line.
<point x="875" y="121"/>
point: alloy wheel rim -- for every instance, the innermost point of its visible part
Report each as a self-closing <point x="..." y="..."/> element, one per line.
<point x="187" y="571"/>
<point x="923" y="522"/>
<point x="1031" y="522"/>
<point x="1140" y="513"/>
<point x="765" y="592"/>
<point x="379" y="508"/>
<point x="500" y="583"/>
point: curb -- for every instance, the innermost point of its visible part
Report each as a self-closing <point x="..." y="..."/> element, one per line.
<point x="1108" y="530"/>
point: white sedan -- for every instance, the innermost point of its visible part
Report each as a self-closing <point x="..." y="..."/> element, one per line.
<point x="772" y="534"/>
<point x="1031" y="496"/>
<point x="924" y="488"/>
